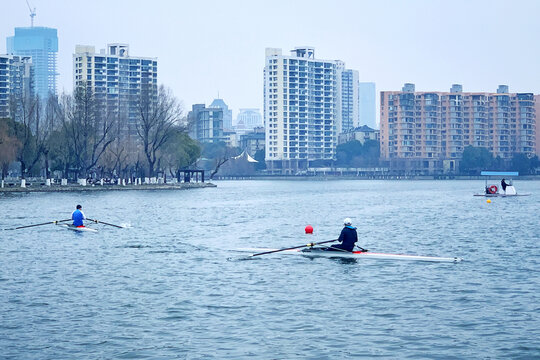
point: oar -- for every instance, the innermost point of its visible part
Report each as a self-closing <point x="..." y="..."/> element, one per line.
<point x="335" y="249"/>
<point x="103" y="222"/>
<point x="291" y="248"/>
<point x="46" y="223"/>
<point x="362" y="249"/>
<point x="338" y="249"/>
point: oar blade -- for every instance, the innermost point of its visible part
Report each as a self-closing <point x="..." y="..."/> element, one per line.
<point x="242" y="258"/>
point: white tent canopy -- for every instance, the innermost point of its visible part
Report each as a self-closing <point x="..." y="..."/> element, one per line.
<point x="245" y="155"/>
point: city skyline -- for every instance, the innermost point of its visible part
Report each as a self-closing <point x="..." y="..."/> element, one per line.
<point x="218" y="47"/>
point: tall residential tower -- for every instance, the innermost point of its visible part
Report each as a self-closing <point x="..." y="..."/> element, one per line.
<point x="16" y="81"/>
<point x="115" y="78"/>
<point x="348" y="99"/>
<point x="304" y="102"/>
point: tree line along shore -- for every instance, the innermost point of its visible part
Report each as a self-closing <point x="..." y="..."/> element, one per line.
<point x="75" y="136"/>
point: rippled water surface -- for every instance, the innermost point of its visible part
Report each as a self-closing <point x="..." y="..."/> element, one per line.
<point x="172" y="286"/>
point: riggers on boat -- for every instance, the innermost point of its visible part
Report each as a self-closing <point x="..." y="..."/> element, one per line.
<point x="500" y="190"/>
<point x="322" y="252"/>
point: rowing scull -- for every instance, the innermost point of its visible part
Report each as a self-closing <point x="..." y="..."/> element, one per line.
<point x="354" y="254"/>
<point x="81" y="229"/>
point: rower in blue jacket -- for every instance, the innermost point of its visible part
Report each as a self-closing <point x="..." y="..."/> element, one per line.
<point x="348" y="237"/>
<point x="78" y="216"/>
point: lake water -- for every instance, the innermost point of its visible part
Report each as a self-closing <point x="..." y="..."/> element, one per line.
<point x="171" y="285"/>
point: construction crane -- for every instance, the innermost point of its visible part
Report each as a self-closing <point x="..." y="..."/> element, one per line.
<point x="32" y="13"/>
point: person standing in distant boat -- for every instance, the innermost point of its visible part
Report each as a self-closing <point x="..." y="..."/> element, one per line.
<point x="78" y="216"/>
<point x="504" y="185"/>
<point x="347" y="238"/>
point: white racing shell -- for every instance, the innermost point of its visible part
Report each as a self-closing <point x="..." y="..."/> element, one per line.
<point x="80" y="229"/>
<point x="354" y="254"/>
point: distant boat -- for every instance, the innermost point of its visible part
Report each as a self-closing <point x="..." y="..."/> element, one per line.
<point x="496" y="190"/>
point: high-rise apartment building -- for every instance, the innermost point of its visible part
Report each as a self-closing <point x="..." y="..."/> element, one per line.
<point x="116" y="79"/>
<point x="41" y="43"/>
<point x="423" y="129"/>
<point x="206" y="124"/>
<point x="16" y="81"/>
<point x="302" y="108"/>
<point x="367" y="112"/>
<point x="348" y="104"/>
<point x="537" y="113"/>
<point x="227" y="113"/>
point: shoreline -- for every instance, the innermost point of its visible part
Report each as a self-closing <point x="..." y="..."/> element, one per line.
<point x="75" y="188"/>
<point x="385" y="178"/>
<point x="200" y="185"/>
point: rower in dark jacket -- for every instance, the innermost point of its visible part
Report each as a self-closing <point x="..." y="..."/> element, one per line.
<point x="348" y="237"/>
<point x="504" y="184"/>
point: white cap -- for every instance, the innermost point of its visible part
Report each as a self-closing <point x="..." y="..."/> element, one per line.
<point x="347" y="221"/>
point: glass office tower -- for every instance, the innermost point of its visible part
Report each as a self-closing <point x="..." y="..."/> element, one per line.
<point x="41" y="43"/>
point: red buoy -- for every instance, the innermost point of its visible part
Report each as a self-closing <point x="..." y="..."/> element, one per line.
<point x="309" y="229"/>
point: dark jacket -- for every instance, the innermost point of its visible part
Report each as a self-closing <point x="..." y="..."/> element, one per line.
<point x="347" y="238"/>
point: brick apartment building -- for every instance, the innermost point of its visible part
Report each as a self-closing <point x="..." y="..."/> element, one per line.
<point x="426" y="132"/>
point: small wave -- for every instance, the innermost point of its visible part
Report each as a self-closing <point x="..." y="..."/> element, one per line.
<point x="134" y="246"/>
<point x="173" y="317"/>
<point x="37" y="304"/>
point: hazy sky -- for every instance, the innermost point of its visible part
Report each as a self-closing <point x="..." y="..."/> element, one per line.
<point x="206" y="47"/>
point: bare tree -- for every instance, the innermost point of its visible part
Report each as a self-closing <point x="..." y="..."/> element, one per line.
<point x="220" y="152"/>
<point x="88" y="126"/>
<point x="50" y="124"/>
<point x="115" y="159"/>
<point x="158" y="114"/>
<point x="26" y="111"/>
<point x="9" y="145"/>
<point x="120" y="157"/>
<point x="218" y="162"/>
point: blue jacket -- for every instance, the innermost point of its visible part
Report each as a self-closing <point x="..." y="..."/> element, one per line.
<point x="78" y="217"/>
<point x="348" y="237"/>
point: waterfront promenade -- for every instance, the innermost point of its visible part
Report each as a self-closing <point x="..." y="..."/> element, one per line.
<point x="11" y="187"/>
